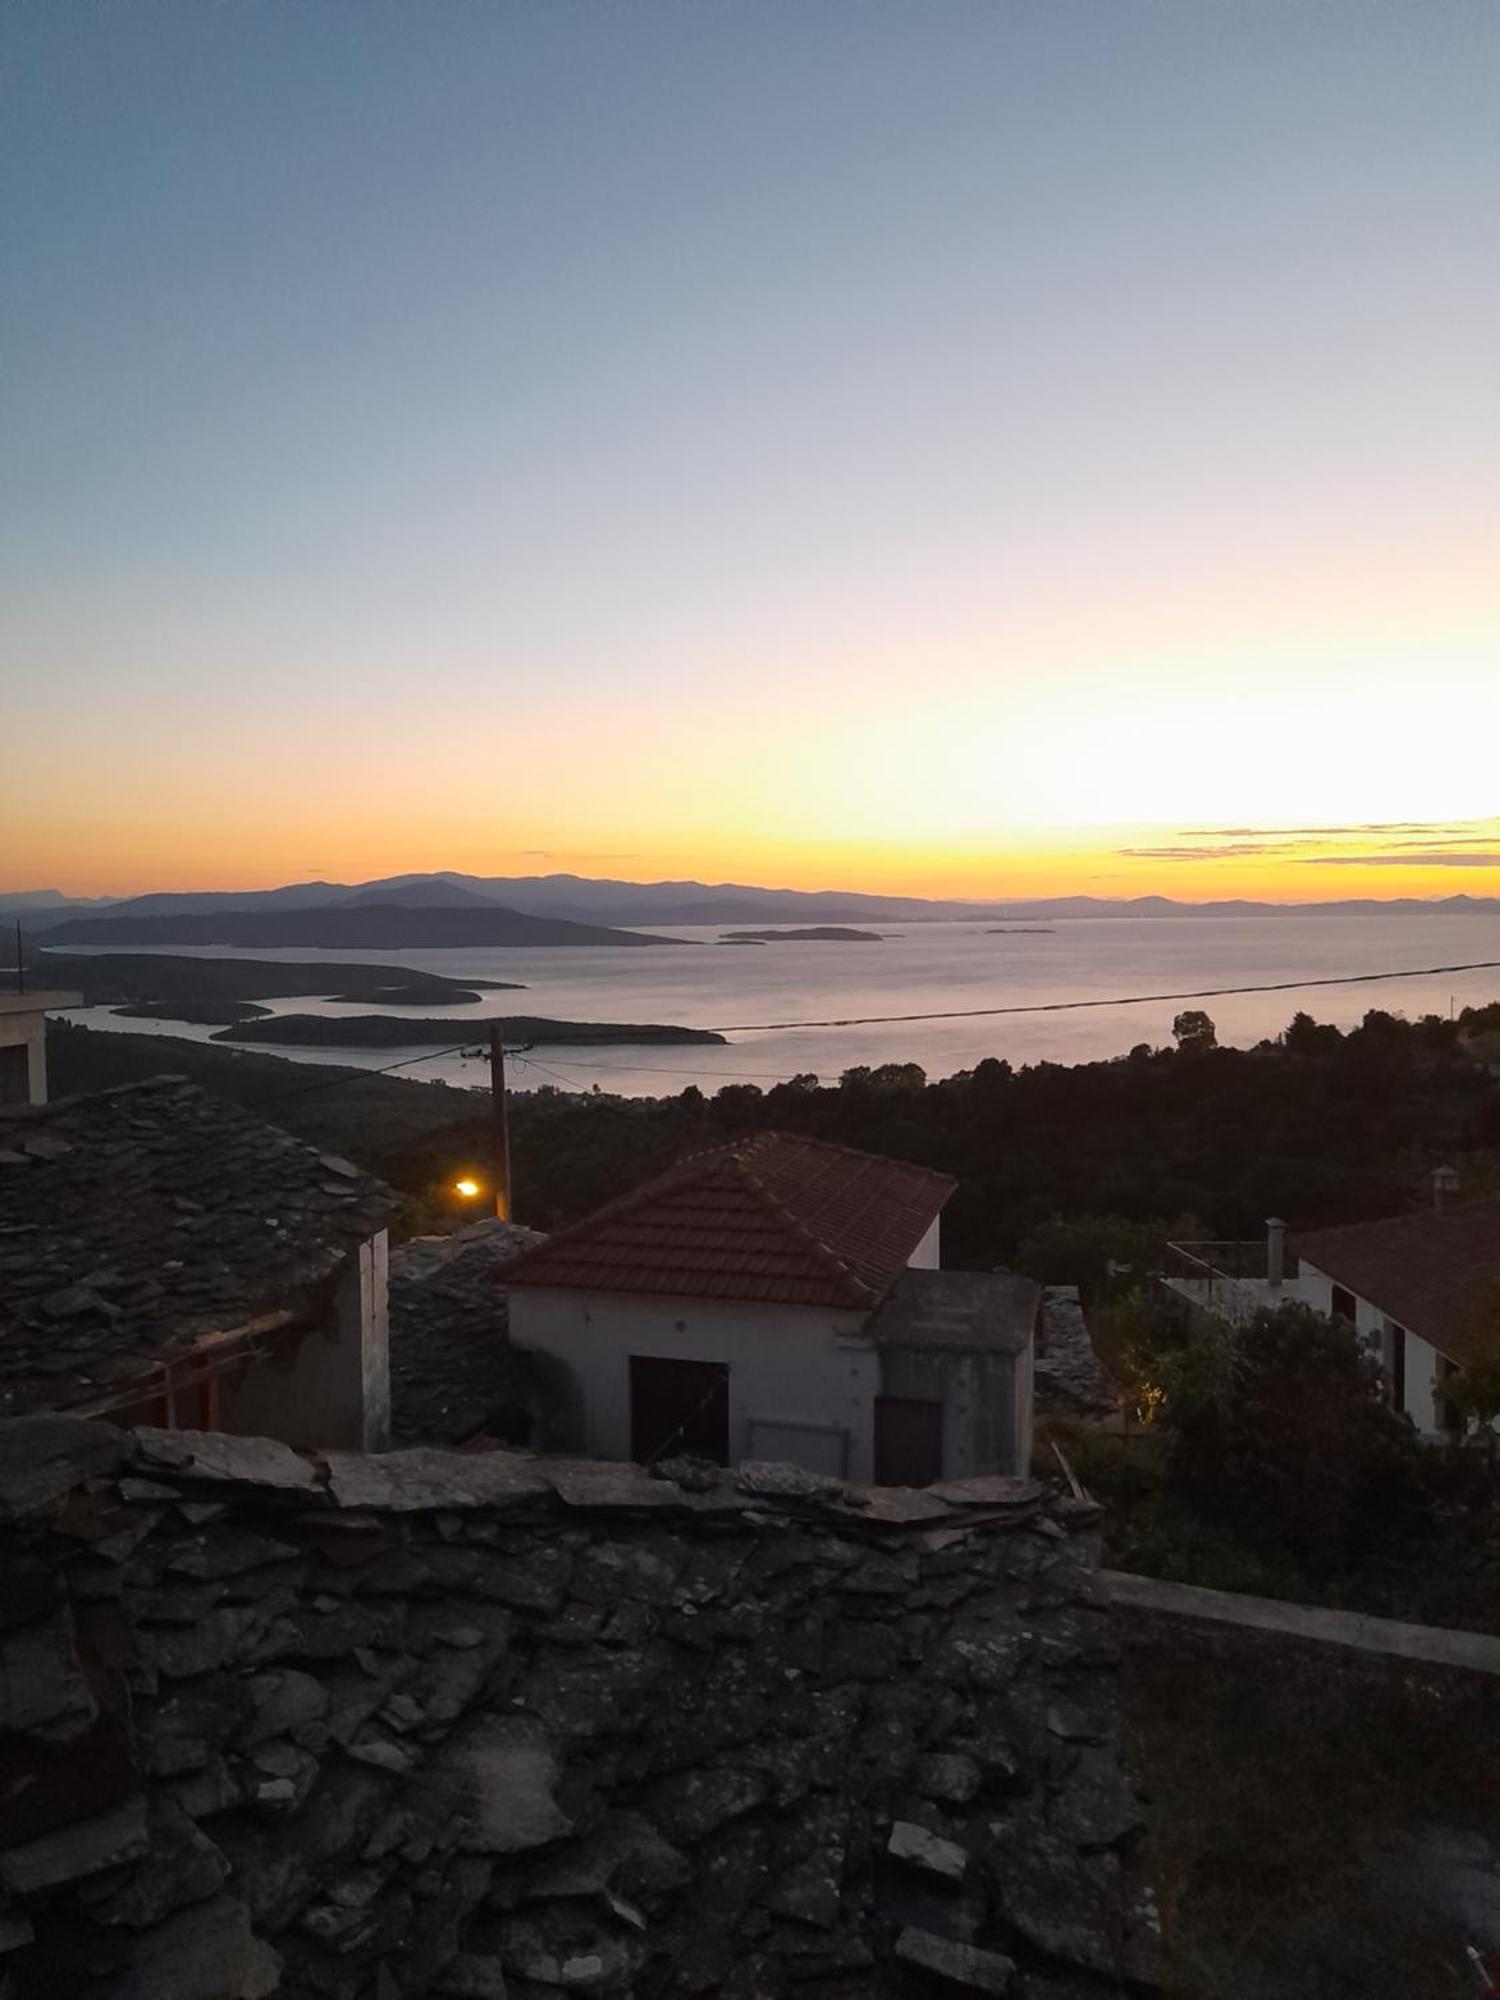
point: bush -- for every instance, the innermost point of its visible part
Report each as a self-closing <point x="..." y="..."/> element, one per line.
<point x="1281" y="1430"/>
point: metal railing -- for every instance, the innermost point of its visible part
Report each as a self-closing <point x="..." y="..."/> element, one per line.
<point x="1227" y="1280"/>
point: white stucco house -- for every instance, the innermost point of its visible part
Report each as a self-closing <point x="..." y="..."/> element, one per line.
<point x="23" y="1044"/>
<point x="779" y="1299"/>
<point x="1421" y="1290"/>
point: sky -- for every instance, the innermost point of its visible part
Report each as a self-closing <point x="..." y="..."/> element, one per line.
<point x="993" y="446"/>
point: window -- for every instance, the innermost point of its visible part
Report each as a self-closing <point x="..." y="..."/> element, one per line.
<point x="678" y="1409"/>
<point x="15" y="1076"/>
<point x="1344" y="1305"/>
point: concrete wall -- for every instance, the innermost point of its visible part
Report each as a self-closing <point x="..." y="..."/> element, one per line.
<point x="332" y="1390"/>
<point x="1376" y="1329"/>
<point x="788" y="1366"/>
<point x="986" y="1398"/>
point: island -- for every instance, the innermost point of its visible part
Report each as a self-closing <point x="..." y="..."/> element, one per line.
<point x="395" y="1031"/>
<point x="1021" y="930"/>
<point x="379" y="926"/>
<point x="813" y="934"/>
<point x="160" y="986"/>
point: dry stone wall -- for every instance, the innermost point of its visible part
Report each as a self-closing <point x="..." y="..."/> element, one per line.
<point x="491" y="1725"/>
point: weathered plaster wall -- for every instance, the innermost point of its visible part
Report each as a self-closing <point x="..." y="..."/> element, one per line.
<point x="495" y="1725"/>
<point x="787" y="1364"/>
<point x="333" y="1387"/>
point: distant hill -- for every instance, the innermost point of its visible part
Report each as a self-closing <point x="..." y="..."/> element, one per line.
<point x="608" y="904"/>
<point x="356" y="926"/>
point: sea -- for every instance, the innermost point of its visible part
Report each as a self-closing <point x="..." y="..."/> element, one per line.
<point x="1074" y="990"/>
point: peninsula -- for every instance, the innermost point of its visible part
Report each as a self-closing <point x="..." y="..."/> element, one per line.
<point x="813" y="934"/>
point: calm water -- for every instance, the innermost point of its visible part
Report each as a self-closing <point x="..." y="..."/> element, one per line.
<point x="921" y="969"/>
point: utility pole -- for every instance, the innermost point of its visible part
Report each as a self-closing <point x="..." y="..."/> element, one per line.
<point x="20" y="960"/>
<point x="501" y="1127"/>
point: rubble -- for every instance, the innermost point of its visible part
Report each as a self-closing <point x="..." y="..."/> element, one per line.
<point x="485" y="1725"/>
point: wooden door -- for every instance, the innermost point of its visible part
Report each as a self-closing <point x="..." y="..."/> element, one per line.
<point x="908" y="1441"/>
<point x="678" y="1409"/>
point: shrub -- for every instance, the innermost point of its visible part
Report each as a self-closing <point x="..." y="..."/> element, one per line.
<point x="1281" y="1430"/>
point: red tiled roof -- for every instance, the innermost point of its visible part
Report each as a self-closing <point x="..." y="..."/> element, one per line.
<point x="1437" y="1273"/>
<point x="772" y="1218"/>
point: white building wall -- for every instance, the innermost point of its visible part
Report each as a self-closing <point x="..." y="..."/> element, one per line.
<point x="928" y="1254"/>
<point x="787" y="1364"/>
<point x="1374" y="1328"/>
<point x="332" y="1389"/>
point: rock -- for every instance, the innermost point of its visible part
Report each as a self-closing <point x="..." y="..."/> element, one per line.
<point x="471" y="1977"/>
<point x="205" y="1953"/>
<point x="949" y="1777"/>
<point x="1066" y="1720"/>
<point x="960" y="1964"/>
<point x="46" y="1457"/>
<point x="1096" y="1805"/>
<point x="623" y="1853"/>
<point x="503" y="1774"/>
<point x="809" y="1894"/>
<point x="1066" y="1904"/>
<point x="85" y="1848"/>
<point x="43" y="1691"/>
<point x="286" y="1702"/>
<point x="421" y="1480"/>
<point x="928" y="1851"/>
<point x="766" y="1479"/>
<point x="181" y="1866"/>
<point x="694" y="1803"/>
<point x="221" y="1456"/>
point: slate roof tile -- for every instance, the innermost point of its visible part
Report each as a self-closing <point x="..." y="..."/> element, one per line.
<point x="132" y="1221"/>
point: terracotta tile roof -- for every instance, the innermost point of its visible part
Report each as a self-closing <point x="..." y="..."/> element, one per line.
<point x="134" y="1220"/>
<point x="772" y="1218"/>
<point x="1437" y="1273"/>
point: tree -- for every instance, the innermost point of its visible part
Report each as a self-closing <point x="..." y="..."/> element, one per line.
<point x="1281" y="1429"/>
<point x="1193" y="1031"/>
<point x="1473" y="1395"/>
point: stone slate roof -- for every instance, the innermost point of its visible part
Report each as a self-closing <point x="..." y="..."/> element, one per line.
<point x="772" y="1218"/>
<point x="424" y="1723"/>
<point x="454" y="1373"/>
<point x="135" y="1220"/>
<point x="959" y="1309"/>
<point x="1437" y="1273"/>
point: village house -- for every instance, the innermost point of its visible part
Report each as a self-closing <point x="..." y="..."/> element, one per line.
<point x="779" y="1299"/>
<point x="169" y="1259"/>
<point x="1422" y="1290"/>
<point x="23" y="1044"/>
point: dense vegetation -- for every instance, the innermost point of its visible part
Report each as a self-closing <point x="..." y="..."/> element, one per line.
<point x="1320" y="1127"/>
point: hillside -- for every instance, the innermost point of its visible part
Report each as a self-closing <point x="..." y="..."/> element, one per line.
<point x="357" y="926"/>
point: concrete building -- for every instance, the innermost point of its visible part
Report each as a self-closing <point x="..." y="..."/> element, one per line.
<point x="169" y="1259"/>
<point x="1422" y="1290"/>
<point x="23" y="1044"/>
<point x="779" y="1299"/>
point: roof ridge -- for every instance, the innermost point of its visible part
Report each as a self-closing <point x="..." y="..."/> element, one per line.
<point x="1445" y="1214"/>
<point x="824" y="1253"/>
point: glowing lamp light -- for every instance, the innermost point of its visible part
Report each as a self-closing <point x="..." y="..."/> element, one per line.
<point x="466" y="1187"/>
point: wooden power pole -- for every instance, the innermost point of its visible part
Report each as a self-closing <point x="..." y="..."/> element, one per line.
<point x="501" y="1126"/>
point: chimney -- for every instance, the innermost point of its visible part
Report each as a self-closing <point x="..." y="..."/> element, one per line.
<point x="1444" y="1187"/>
<point x="1275" y="1252"/>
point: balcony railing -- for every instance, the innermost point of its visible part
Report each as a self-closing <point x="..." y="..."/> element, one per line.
<point x="1227" y="1280"/>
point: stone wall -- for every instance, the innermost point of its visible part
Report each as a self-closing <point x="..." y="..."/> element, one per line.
<point x="489" y="1725"/>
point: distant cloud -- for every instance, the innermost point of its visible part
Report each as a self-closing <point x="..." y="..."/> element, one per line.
<point x="1437" y="843"/>
<point x="1432" y="858"/>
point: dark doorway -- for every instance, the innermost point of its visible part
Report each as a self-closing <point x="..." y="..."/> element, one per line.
<point x="678" y="1408"/>
<point x="908" y="1441"/>
<point x="15" y="1075"/>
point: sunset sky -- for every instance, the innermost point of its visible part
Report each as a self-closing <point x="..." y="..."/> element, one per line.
<point x="973" y="446"/>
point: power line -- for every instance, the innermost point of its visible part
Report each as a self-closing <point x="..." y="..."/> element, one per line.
<point x="1114" y="1000"/>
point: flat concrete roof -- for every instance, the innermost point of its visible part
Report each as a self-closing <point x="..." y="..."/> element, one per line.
<point x="37" y="1003"/>
<point x="958" y="1309"/>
